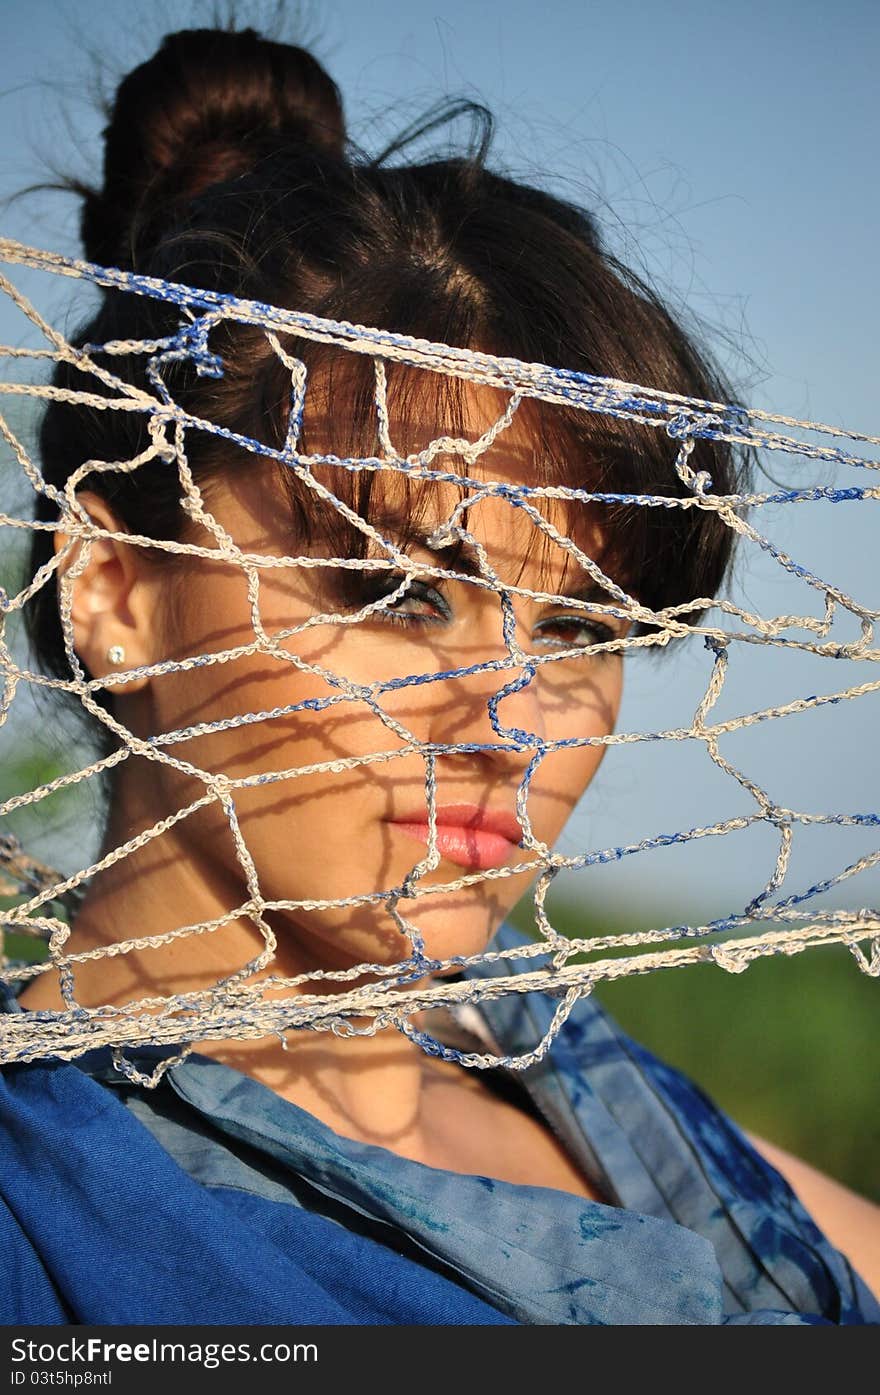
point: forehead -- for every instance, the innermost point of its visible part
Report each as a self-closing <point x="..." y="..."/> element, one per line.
<point x="348" y="393"/>
<point x="458" y="452"/>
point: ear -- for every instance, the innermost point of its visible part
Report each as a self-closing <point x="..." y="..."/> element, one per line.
<point x="110" y="604"/>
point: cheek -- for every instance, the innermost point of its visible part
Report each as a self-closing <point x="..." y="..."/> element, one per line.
<point x="581" y="697"/>
<point x="558" y="783"/>
<point x="211" y="612"/>
<point x="578" y="701"/>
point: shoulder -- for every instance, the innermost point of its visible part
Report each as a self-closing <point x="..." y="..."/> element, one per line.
<point x="850" y="1221"/>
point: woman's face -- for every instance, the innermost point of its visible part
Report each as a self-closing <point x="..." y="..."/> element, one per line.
<point x="349" y="817"/>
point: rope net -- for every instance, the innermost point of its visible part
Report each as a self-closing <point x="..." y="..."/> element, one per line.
<point x="386" y="995"/>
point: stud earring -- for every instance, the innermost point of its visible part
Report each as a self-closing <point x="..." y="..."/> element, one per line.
<point x="115" y="654"/>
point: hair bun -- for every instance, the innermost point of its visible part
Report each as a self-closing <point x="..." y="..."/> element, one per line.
<point x="208" y="106"/>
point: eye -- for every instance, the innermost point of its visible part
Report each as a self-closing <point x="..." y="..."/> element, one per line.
<point x="420" y="604"/>
<point x="572" y="632"/>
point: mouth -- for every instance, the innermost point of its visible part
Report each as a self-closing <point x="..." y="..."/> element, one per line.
<point x="466" y="834"/>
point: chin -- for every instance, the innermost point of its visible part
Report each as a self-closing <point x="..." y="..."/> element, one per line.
<point x="455" y="924"/>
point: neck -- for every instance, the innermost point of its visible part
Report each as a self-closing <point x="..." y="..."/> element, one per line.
<point x="365" y="1087"/>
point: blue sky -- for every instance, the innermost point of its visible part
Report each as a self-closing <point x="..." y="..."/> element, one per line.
<point x="730" y="150"/>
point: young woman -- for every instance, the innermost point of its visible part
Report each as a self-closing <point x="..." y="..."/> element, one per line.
<point x="343" y="1176"/>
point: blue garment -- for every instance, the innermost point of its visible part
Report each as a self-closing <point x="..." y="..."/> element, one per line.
<point x="213" y="1200"/>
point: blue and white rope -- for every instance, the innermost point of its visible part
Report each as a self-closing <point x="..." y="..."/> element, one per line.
<point x="236" y="1005"/>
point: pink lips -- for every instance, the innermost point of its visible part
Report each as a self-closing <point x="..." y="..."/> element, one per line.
<point x="466" y="834"/>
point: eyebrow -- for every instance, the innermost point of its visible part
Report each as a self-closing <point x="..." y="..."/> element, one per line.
<point x="462" y="557"/>
<point x="402" y="530"/>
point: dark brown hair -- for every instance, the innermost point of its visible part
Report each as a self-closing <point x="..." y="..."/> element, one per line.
<point x="227" y="167"/>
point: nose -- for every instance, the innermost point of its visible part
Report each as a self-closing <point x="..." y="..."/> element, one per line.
<point x="491" y="704"/>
